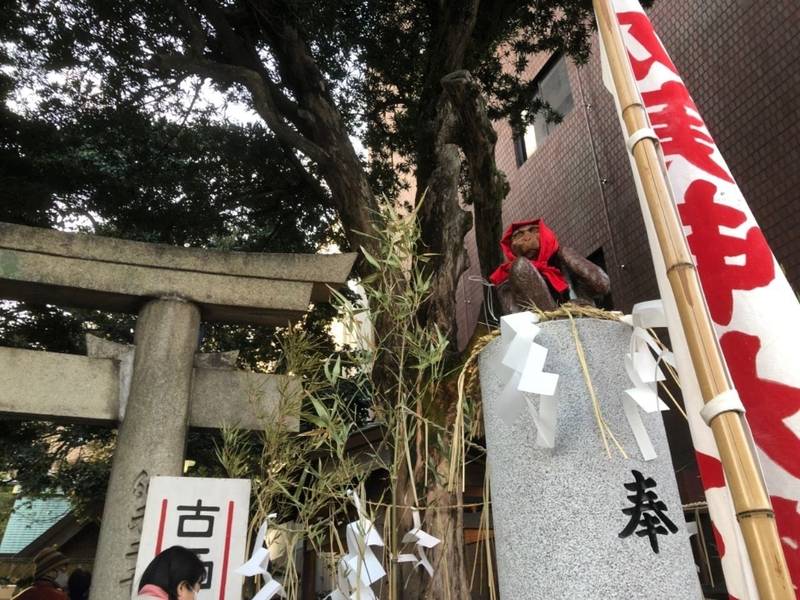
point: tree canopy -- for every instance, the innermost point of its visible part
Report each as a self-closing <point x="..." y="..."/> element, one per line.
<point x="264" y="125"/>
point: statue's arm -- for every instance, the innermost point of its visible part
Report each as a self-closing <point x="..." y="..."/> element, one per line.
<point x="593" y="278"/>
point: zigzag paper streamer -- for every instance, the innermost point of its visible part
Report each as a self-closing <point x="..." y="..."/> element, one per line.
<point x="522" y="365"/>
<point x="422" y="540"/>
<point x="359" y="568"/>
<point x="257" y="565"/>
<point x="643" y="370"/>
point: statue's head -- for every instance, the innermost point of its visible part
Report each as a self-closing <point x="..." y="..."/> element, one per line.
<point x="525" y="240"/>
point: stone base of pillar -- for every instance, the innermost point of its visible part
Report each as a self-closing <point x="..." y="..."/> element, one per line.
<point x="557" y="512"/>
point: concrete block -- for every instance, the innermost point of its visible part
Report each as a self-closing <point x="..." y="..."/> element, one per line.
<point x="47" y="385"/>
<point x="558" y="512"/>
<point x="240" y="399"/>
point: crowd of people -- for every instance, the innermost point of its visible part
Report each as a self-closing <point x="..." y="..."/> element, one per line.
<point x="175" y="574"/>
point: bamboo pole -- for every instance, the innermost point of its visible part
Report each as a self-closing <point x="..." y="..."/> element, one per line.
<point x="751" y="501"/>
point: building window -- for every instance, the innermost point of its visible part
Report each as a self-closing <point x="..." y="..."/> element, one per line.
<point x="553" y="88"/>
<point x="519" y="150"/>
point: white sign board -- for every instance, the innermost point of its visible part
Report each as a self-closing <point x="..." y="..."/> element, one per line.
<point x="207" y="516"/>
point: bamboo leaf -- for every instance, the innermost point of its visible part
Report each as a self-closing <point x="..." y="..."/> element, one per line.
<point x="370" y="259"/>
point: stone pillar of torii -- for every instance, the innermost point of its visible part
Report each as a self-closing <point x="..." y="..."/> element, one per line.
<point x="159" y="387"/>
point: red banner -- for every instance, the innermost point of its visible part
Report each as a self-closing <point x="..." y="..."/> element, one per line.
<point x="755" y="312"/>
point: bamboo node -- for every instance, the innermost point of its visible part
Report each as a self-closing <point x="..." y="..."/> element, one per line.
<point x="680" y="265"/>
<point x="756" y="513"/>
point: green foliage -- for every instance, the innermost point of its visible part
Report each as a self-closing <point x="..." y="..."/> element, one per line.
<point x="129" y="170"/>
<point x="7" y="498"/>
<point x="379" y="59"/>
<point x="95" y="135"/>
<point x="304" y="479"/>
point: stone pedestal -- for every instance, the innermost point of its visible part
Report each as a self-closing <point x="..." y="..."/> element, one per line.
<point x="151" y="438"/>
<point x="558" y="511"/>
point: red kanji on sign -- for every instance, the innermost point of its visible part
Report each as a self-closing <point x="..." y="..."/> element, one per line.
<point x="767" y="402"/>
<point x="788" y="521"/>
<point x="672" y="111"/>
<point x="675" y="120"/>
<point x="713" y="476"/>
<point x="639" y="27"/>
<point x="710" y="248"/>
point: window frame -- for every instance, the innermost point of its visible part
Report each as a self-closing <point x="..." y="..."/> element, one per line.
<point x="536" y="134"/>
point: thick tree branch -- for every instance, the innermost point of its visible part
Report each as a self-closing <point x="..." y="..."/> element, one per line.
<point x="262" y="100"/>
<point x="244" y="55"/>
<point x="302" y="172"/>
<point x="322" y="121"/>
<point x="197" y="35"/>
<point x="488" y="185"/>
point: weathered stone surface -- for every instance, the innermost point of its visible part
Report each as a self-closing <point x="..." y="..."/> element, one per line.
<point x="216" y="360"/>
<point x="315" y="268"/>
<point x="558" y="512"/>
<point x="44" y="265"/>
<point x="125" y="288"/>
<point x="151" y="439"/>
<point x="241" y="399"/>
<point x="46" y="384"/>
<point x="123" y="355"/>
<point x="79" y="389"/>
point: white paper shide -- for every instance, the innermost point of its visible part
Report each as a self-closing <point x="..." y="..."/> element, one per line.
<point x="522" y="367"/>
<point x="642" y="366"/>
<point x="258" y="564"/>
<point x="422" y="540"/>
<point x="359" y="568"/>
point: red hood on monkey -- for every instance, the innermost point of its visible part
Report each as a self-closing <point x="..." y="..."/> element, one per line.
<point x="539" y="271"/>
<point x="535" y="241"/>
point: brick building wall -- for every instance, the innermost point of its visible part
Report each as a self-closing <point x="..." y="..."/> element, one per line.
<point x="739" y="59"/>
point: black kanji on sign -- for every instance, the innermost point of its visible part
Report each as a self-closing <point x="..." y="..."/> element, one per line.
<point x="196" y="524"/>
<point x="205" y="583"/>
<point x="647" y="511"/>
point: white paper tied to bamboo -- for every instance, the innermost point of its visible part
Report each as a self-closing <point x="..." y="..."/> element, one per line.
<point x="422" y="540"/>
<point x="359" y="568"/>
<point x="258" y="563"/>
<point x="522" y="366"/>
<point x="644" y="372"/>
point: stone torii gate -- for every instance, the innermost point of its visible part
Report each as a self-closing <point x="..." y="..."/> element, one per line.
<point x="157" y="386"/>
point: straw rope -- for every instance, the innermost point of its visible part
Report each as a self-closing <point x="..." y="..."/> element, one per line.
<point x="605" y="430"/>
<point x="422" y="509"/>
<point x="569" y="310"/>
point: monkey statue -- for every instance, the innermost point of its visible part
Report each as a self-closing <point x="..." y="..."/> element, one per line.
<point x="540" y="272"/>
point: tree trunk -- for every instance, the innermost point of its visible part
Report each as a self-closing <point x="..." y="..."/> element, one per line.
<point x="318" y="119"/>
<point x="452" y="126"/>
<point x="462" y="126"/>
<point x="446" y="518"/>
<point x="487" y="184"/>
<point x="444" y="223"/>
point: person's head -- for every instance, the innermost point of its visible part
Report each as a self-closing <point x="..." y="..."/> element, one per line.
<point x="177" y="571"/>
<point x="525" y="241"/>
<point x="50" y="564"/>
<point x="78" y="584"/>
